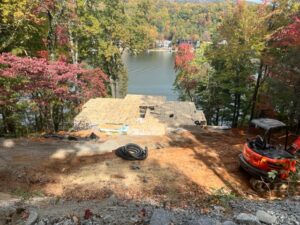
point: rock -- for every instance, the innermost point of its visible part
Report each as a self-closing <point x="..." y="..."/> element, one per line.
<point x="7" y="212"/>
<point x="160" y="217"/>
<point x="145" y="179"/>
<point x="112" y="200"/>
<point x="134" y="219"/>
<point x="75" y="219"/>
<point x="94" y="136"/>
<point x="68" y="222"/>
<point x="8" y="143"/>
<point x="228" y="223"/>
<point x="135" y="167"/>
<point x="218" y="210"/>
<point x="205" y="221"/>
<point x="108" y="219"/>
<point x="42" y="223"/>
<point x="265" y="217"/>
<point x="33" y="216"/>
<point x="247" y="219"/>
<point x="296" y="198"/>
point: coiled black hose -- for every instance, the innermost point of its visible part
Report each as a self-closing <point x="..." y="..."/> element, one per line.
<point x="132" y="152"/>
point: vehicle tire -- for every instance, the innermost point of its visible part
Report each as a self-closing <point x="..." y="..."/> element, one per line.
<point x="259" y="186"/>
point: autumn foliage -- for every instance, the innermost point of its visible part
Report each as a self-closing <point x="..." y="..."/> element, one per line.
<point x="187" y="70"/>
<point x="288" y="35"/>
<point x="184" y="56"/>
<point x="47" y="88"/>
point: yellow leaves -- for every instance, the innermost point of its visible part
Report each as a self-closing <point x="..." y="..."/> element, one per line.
<point x="93" y="27"/>
<point x="14" y="12"/>
<point x="152" y="33"/>
<point x="18" y="15"/>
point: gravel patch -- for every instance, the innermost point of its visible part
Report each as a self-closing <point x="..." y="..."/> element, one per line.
<point x="46" y="211"/>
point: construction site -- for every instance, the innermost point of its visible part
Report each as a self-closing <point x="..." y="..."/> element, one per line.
<point x="188" y="167"/>
<point x="138" y="115"/>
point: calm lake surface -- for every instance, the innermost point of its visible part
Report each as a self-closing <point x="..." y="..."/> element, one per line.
<point x="151" y="74"/>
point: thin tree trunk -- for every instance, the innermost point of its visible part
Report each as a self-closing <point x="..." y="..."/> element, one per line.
<point x="237" y="106"/>
<point x="113" y="87"/>
<point x="4" y="122"/>
<point x="234" y="111"/>
<point x="254" y="98"/>
<point x="298" y="127"/>
<point x="190" y="95"/>
<point x="297" y="105"/>
<point x="217" y="116"/>
<point x="73" y="46"/>
<point x="238" y="109"/>
<point x="51" y="36"/>
<point x="9" y="124"/>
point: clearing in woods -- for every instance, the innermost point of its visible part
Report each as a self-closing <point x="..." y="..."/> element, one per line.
<point x="183" y="166"/>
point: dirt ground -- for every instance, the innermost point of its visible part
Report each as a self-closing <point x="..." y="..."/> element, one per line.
<point x="182" y="167"/>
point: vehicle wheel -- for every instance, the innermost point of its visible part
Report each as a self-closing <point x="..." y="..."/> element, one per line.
<point x="259" y="185"/>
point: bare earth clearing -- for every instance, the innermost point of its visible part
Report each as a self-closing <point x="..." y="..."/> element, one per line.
<point x="182" y="167"/>
<point x="190" y="177"/>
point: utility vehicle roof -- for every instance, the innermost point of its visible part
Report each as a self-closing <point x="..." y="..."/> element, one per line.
<point x="267" y="123"/>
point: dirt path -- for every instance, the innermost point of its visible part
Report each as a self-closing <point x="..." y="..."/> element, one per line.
<point x="181" y="167"/>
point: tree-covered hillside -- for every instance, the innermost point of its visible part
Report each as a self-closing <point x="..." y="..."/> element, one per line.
<point x="250" y="68"/>
<point x="52" y="51"/>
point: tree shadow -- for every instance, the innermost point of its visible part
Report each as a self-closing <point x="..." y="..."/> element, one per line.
<point x="95" y="177"/>
<point x="218" y="151"/>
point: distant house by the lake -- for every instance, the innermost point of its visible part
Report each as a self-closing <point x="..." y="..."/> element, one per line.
<point x="163" y="44"/>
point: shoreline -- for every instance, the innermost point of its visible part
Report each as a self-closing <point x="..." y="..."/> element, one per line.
<point x="160" y="50"/>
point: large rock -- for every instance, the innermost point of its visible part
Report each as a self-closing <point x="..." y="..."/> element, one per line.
<point x="7" y="143"/>
<point x="265" y="217"/>
<point x="247" y="219"/>
<point x="160" y="217"/>
<point x="33" y="216"/>
<point x="6" y="212"/>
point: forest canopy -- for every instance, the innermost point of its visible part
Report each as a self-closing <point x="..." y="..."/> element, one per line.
<point x="56" y="54"/>
<point x="250" y="68"/>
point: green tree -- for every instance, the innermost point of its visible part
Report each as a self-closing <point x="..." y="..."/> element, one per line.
<point x="236" y="48"/>
<point x="20" y="27"/>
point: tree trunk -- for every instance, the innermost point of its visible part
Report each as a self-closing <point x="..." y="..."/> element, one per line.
<point x="73" y="46"/>
<point x="51" y="36"/>
<point x="189" y="95"/>
<point x="254" y="98"/>
<point x="236" y="112"/>
<point x="297" y="104"/>
<point x="238" y="109"/>
<point x="55" y="117"/>
<point x="298" y="127"/>
<point x="113" y="87"/>
<point x="9" y="126"/>
<point x="217" y="116"/>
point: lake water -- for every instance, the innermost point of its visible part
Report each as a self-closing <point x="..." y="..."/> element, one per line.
<point x="151" y="73"/>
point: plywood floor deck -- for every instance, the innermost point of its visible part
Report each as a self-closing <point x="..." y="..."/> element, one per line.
<point x="148" y="115"/>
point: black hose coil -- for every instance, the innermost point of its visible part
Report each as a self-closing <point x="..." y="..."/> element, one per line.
<point x="132" y="152"/>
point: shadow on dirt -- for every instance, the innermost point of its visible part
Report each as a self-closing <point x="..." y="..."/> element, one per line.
<point x="218" y="151"/>
<point x="158" y="177"/>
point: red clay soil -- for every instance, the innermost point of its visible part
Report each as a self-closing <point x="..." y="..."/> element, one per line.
<point x="181" y="168"/>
